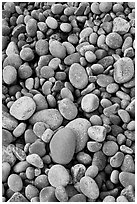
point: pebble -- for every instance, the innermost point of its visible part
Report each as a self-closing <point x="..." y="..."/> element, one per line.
<point x="46" y="72"/>
<point x="112" y="88"/>
<point x="77" y="172"/>
<point x="23" y="108"/>
<point x="58" y="176"/>
<point x="117" y="160"/>
<point x="52" y="117"/>
<point x="27" y="54"/>
<point x="78" y="76"/>
<point x="12" y="48"/>
<point x="127" y="178"/>
<point x="15" y="182"/>
<point x="120" y="25"/>
<point x="85" y="32"/>
<point x="110" y="148"/>
<point x="62" y="145"/>
<point x="57" y="49"/>
<point x="114" y="40"/>
<point x="57" y="8"/>
<point x="72" y="58"/>
<point x="7" y="137"/>
<point x="69" y="47"/>
<point x="35" y="160"/>
<point x="47" y="135"/>
<point x="24" y="71"/>
<point x="79" y="126"/>
<point x="13" y="60"/>
<point x="6" y="168"/>
<point x="31" y="191"/>
<point x="40" y="101"/>
<point x="21" y="166"/>
<point x="105" y="6"/>
<point x="38" y="147"/>
<point x="95" y="120"/>
<point x="90" y="56"/>
<point x="9" y="74"/>
<point x="93" y="146"/>
<point x="92" y="171"/>
<point x="95" y="8"/>
<point x="17" y="197"/>
<point x="97" y="133"/>
<point x="65" y="27"/>
<point x="86" y="184"/>
<point x="124" y="115"/>
<point x="19" y="130"/>
<point x="128" y="164"/>
<point x="84" y="158"/>
<point x="61" y="194"/>
<point x="47" y="194"/>
<point x="106" y="61"/>
<point x="113" y="109"/>
<point x="51" y="22"/>
<point x="41" y="181"/>
<point x="54" y="63"/>
<point x="99" y="160"/>
<point x="7" y="155"/>
<point x="30" y="136"/>
<point x="114" y="177"/>
<point x="41" y="47"/>
<point x="89" y="103"/>
<point x="131" y="125"/>
<point x="67" y="109"/>
<point x="129" y="193"/>
<point x="78" y="198"/>
<point x="121" y="199"/>
<point x="66" y="93"/>
<point x="31" y="27"/>
<point x="97" y="69"/>
<point x="104" y="80"/>
<point x="109" y="198"/>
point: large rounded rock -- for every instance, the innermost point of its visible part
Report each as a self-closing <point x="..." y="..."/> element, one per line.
<point x="78" y="76"/>
<point x="123" y="70"/>
<point x="62" y="146"/>
<point x="23" y="108"/>
<point x="80" y="127"/>
<point x="50" y="116"/>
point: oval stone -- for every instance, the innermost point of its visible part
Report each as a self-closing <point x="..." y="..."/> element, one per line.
<point x="23" y="108"/>
<point x="62" y="146"/>
<point x="89" y="187"/>
<point x="78" y="76"/>
<point x="123" y="70"/>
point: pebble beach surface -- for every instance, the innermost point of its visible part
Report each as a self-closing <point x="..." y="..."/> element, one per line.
<point x="68" y="101"/>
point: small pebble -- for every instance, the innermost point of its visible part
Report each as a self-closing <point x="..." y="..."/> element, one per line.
<point x="109" y="198"/>
<point x="57" y="49"/>
<point x="35" y="160"/>
<point x="23" y="108"/>
<point x="61" y="194"/>
<point x="31" y="191"/>
<point x="117" y="159"/>
<point x="86" y="184"/>
<point x="97" y="133"/>
<point x="58" y="176"/>
<point x="92" y="171"/>
<point x="67" y="109"/>
<point x="89" y="103"/>
<point x="9" y="74"/>
<point x="110" y="148"/>
<point x="5" y="171"/>
<point x="15" y="182"/>
<point x="47" y="194"/>
<point x="78" y="76"/>
<point x="27" y="54"/>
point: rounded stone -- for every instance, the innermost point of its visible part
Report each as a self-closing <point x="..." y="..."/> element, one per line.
<point x="89" y="103"/>
<point x="27" y="54"/>
<point x="5" y="171"/>
<point x="78" y="76"/>
<point x="35" y="160"/>
<point x="67" y="109"/>
<point x="47" y="194"/>
<point x="105" y="6"/>
<point x="57" y="49"/>
<point x="58" y="176"/>
<point x="110" y="148"/>
<point x="41" y="47"/>
<point x="62" y="146"/>
<point x="114" y="40"/>
<point x="31" y="27"/>
<point x="86" y="184"/>
<point x="51" y="22"/>
<point x="15" y="182"/>
<point x="23" y="108"/>
<point x="123" y="70"/>
<point x="97" y="133"/>
<point x="80" y="127"/>
<point x="127" y="178"/>
<point x="78" y="198"/>
<point x="90" y="56"/>
<point x="65" y="27"/>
